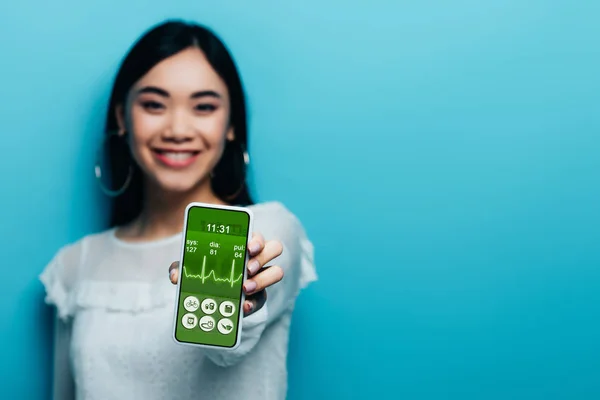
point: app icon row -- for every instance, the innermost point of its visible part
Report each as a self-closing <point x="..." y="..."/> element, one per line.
<point x="209" y="306"/>
<point x="207" y="323"/>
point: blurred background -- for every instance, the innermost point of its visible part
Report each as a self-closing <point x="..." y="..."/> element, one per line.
<point x="442" y="156"/>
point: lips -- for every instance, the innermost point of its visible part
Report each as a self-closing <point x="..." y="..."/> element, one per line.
<point x="176" y="158"/>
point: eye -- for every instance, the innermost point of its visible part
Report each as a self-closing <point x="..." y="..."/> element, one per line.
<point x="205" y="108"/>
<point x="152" y="105"/>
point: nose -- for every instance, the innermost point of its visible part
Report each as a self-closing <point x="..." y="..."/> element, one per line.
<point x="179" y="129"/>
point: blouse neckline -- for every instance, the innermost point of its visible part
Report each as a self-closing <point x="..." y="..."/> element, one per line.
<point x="142" y="244"/>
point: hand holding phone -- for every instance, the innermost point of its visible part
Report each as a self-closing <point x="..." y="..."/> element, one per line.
<point x="214" y="254"/>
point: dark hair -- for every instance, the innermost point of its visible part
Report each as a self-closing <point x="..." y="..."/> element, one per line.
<point x="157" y="44"/>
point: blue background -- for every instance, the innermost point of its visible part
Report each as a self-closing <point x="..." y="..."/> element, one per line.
<point x="443" y="157"/>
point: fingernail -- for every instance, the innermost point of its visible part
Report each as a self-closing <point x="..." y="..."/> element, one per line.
<point x="171" y="274"/>
<point x="254" y="247"/>
<point x="250" y="307"/>
<point x="253" y="266"/>
<point x="249" y="286"/>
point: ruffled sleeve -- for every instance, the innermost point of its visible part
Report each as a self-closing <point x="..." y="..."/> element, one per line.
<point x="297" y="262"/>
<point x="82" y="276"/>
<point x="58" y="277"/>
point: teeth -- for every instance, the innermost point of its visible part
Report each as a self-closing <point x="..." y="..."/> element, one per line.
<point x="177" y="156"/>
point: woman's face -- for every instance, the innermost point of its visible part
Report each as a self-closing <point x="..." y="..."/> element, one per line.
<point x="177" y="117"/>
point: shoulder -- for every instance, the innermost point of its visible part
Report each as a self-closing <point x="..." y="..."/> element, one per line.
<point x="61" y="273"/>
<point x="65" y="264"/>
<point x="274" y="212"/>
<point x="72" y="252"/>
<point x="275" y="219"/>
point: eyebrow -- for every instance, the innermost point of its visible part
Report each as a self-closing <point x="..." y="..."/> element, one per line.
<point x="164" y="93"/>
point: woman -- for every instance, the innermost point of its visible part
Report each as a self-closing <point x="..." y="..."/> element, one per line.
<point x="177" y="133"/>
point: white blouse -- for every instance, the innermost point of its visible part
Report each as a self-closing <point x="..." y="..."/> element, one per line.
<point x="115" y="306"/>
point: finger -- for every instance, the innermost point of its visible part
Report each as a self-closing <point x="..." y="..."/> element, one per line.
<point x="271" y="250"/>
<point x="256" y="244"/>
<point x="254" y="302"/>
<point x="174" y="272"/>
<point x="265" y="278"/>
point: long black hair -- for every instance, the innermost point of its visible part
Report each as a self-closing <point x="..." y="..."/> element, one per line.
<point x="157" y="44"/>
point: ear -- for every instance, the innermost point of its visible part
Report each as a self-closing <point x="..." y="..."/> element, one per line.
<point x="120" y="117"/>
<point x="230" y="134"/>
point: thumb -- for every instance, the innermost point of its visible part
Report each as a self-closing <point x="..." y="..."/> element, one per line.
<point x="174" y="272"/>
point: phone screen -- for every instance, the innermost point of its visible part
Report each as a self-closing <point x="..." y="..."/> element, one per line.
<point x="211" y="276"/>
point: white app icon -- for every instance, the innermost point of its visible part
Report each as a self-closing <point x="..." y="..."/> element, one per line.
<point x="207" y="323"/>
<point x="189" y="321"/>
<point x="209" y="306"/>
<point x="227" y="308"/>
<point x="191" y="303"/>
<point x="225" y="326"/>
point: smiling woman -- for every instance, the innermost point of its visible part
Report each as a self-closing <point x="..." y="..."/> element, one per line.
<point x="178" y="133"/>
<point x="178" y="80"/>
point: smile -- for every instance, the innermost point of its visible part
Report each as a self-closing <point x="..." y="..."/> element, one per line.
<point x="176" y="159"/>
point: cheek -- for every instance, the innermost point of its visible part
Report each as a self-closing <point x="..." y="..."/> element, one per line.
<point x="212" y="130"/>
<point x="217" y="145"/>
<point x="142" y="128"/>
<point x="146" y="125"/>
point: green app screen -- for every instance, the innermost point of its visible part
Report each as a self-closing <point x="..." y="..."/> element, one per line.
<point x="212" y="273"/>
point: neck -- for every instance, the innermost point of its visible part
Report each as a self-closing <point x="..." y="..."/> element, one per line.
<point x="162" y="213"/>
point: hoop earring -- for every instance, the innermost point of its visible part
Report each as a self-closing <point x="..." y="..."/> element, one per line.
<point x="98" y="171"/>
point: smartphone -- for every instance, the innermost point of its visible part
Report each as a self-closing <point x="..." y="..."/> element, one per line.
<point x="212" y="270"/>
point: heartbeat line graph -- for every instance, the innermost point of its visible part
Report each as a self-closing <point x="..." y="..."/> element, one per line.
<point x="211" y="275"/>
